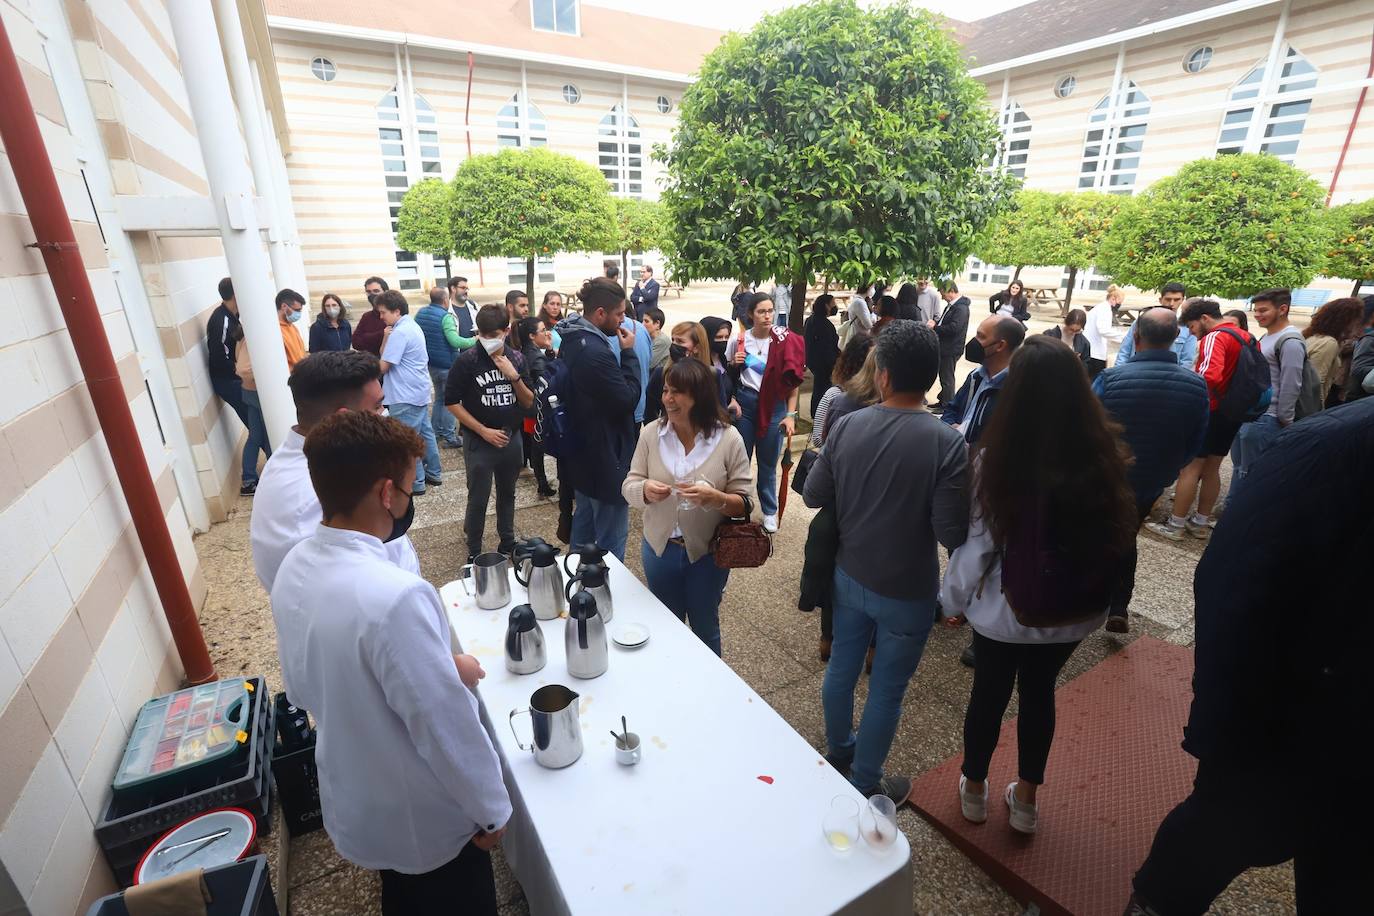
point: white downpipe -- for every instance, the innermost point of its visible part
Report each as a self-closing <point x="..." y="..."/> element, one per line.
<point x="424" y="260"/>
<point x="286" y="208"/>
<point x="138" y="311"/>
<point x="1254" y="137"/>
<point x="236" y="56"/>
<point x="231" y="188"/>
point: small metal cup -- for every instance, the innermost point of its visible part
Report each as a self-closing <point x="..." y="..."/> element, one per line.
<point x="491" y="575"/>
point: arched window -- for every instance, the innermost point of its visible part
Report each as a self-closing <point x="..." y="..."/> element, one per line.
<point x="401" y="168"/>
<point x="1015" y="148"/>
<point x="521" y="124"/>
<point x="1262" y="115"/>
<point x="620" y="152"/>
<point x="1115" y="139"/>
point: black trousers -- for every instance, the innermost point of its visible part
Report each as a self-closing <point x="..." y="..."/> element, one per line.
<point x="1032" y="667"/>
<point x="947" y="387"/>
<point x="820" y="381"/>
<point x="1252" y="813"/>
<point x="463" y="887"/>
<point x="534" y="457"/>
<point x="1125" y="588"/>
<point x="486" y="464"/>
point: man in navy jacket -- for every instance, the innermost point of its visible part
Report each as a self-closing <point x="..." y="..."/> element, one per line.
<point x="645" y="294"/>
<point x="604" y="396"/>
<point x="1163" y="409"/>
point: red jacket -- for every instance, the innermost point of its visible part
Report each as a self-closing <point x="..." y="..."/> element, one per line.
<point x="1217" y="358"/>
<point x="784" y="371"/>
<point x="368" y="333"/>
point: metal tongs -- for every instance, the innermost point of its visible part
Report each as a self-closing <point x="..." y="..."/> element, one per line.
<point x="200" y="843"/>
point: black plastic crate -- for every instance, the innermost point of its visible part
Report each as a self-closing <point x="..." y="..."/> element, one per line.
<point x="132" y="823"/>
<point x="298" y="786"/>
<point x="240" y="889"/>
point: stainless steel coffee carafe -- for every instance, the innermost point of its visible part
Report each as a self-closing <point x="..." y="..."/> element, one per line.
<point x="584" y="638"/>
<point x="544" y="582"/>
<point x="525" y="652"/>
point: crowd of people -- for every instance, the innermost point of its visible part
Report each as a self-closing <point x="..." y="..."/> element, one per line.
<point x="1035" y="474"/>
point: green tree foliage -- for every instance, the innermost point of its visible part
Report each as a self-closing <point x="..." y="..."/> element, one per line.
<point x="1224" y="227"/>
<point x="527" y="204"/>
<point x="1002" y="241"/>
<point x="422" y="224"/>
<point x="832" y="139"/>
<point x="1066" y="230"/>
<point x="1350" y="242"/>
<point x="641" y="225"/>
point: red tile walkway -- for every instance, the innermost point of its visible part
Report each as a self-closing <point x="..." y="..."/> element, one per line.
<point x="1114" y="771"/>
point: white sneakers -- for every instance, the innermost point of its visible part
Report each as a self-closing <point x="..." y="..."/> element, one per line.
<point x="770" y="524"/>
<point x="1023" y="816"/>
<point x="974" y="807"/>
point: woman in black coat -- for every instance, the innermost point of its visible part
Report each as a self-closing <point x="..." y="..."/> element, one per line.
<point x="1072" y="333"/>
<point x="1011" y="301"/>
<point x="535" y="339"/>
<point x="331" y="330"/>
<point x="822" y="347"/>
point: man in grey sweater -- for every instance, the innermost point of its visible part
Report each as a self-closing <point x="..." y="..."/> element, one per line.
<point x="896" y="478"/>
<point x="1285" y="351"/>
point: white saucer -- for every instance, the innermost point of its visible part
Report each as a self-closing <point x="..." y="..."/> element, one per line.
<point x="630" y="635"/>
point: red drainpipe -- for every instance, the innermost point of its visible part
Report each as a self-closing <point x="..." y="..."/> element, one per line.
<point x="1354" y="119"/>
<point x="55" y="240"/>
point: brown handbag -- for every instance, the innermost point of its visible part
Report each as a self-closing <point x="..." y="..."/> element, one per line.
<point x="740" y="543"/>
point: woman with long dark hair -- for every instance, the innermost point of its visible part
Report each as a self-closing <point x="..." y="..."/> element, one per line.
<point x="689" y="473"/>
<point x="534" y="339"/>
<point x="1053" y="522"/>
<point x="1071" y="333"/>
<point x="909" y="303"/>
<point x="822" y="348"/>
<point x="331" y="330"/>
<point x="1334" y="324"/>
<point x="1011" y="302"/>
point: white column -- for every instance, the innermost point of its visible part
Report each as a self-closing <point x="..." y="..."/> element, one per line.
<point x="286" y="209"/>
<point x="138" y="311"/>
<point x="1273" y="64"/>
<point x="231" y="189"/>
<point x="240" y="76"/>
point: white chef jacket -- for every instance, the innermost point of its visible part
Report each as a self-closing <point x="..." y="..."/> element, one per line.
<point x="407" y="772"/>
<point x="286" y="511"/>
<point x="1100" y="329"/>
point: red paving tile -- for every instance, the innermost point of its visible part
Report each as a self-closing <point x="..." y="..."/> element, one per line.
<point x="1115" y="770"/>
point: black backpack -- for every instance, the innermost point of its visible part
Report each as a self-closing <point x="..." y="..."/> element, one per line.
<point x="554" y="429"/>
<point x="1248" y="394"/>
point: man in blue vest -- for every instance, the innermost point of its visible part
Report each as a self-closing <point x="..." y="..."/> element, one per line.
<point x="443" y="343"/>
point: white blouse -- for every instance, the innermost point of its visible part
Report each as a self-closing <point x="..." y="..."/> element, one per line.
<point x="681" y="463"/>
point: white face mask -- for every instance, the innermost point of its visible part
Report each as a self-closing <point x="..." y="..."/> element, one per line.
<point x="491" y="345"/>
<point x="332" y="311"/>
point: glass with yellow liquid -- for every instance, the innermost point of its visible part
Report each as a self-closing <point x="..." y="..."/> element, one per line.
<point x="841" y="824"/>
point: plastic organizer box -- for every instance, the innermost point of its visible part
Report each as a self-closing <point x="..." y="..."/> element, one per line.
<point x="180" y="731"/>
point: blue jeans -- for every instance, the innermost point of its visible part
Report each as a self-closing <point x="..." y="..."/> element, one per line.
<point x="1252" y="441"/>
<point x="445" y="424"/>
<point x="690" y="590"/>
<point x="416" y="416"/>
<point x="901" y="628"/>
<point x="257" y="436"/>
<point x="601" y="522"/>
<point x="769" y="447"/>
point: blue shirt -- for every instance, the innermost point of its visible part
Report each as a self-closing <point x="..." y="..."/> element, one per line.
<point x="407" y="381"/>
<point x="1184" y="347"/>
<point x="644" y="349"/>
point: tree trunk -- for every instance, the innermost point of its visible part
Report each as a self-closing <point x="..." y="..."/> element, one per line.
<point x="529" y="278"/>
<point x="796" y="317"/>
<point x="1068" y="293"/>
<point x="1356" y="290"/>
<point x="1017" y="276"/>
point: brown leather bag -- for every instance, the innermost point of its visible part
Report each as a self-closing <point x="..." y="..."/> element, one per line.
<point x="740" y="543"/>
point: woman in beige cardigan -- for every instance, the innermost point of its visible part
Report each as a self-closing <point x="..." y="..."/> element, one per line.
<point x="689" y="472"/>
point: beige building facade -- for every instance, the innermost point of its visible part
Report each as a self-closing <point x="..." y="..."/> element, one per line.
<point x="373" y="111"/>
<point x="1116" y="111"/>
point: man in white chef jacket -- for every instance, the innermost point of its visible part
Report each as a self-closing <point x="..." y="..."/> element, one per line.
<point x="410" y="784"/>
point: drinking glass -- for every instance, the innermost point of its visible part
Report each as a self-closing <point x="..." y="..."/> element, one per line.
<point x="679" y="483"/>
<point x="841" y="824"/>
<point x="879" y="823"/>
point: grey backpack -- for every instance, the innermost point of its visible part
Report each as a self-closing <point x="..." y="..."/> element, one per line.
<point x="1310" y="392"/>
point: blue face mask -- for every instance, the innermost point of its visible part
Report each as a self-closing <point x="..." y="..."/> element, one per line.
<point x="293" y="316"/>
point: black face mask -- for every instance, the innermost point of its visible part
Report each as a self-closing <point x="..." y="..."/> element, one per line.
<point x="974" y="352"/>
<point x="677" y="352"/>
<point x="718" y="347"/>
<point x="399" y="526"/>
<point x="372" y="298"/>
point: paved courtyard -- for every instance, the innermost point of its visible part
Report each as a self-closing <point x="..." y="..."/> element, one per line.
<point x="766" y="640"/>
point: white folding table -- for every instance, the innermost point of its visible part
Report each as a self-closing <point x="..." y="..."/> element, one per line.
<point x="723" y="815"/>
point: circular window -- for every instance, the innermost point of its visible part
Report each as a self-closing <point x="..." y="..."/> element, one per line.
<point x="1198" y="59"/>
<point x="1065" y="87"/>
<point x="571" y="94"/>
<point x="664" y="106"/>
<point x="323" y="68"/>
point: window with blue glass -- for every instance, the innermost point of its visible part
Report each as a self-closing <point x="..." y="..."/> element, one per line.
<point x="554" y="15"/>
